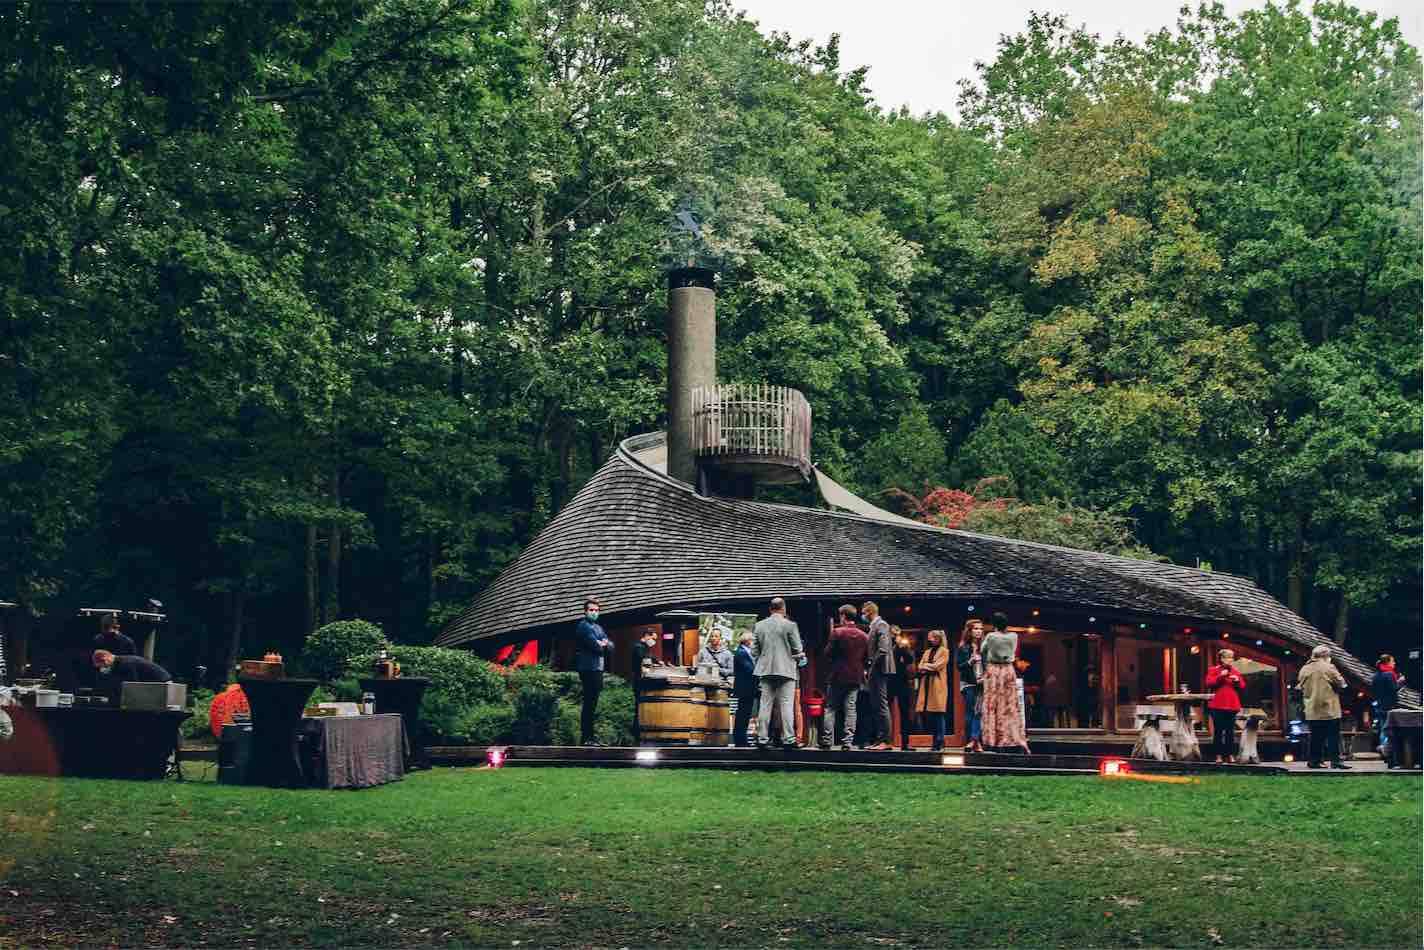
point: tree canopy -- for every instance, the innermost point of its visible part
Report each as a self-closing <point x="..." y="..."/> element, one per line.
<point x="321" y="309"/>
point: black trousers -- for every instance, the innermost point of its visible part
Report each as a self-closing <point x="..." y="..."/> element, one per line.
<point x="1324" y="740"/>
<point x="745" y="705"/>
<point x="1223" y="731"/>
<point x="904" y="697"/>
<point x="592" y="686"/>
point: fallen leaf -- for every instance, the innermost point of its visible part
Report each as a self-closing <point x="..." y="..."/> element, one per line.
<point x="1213" y="935"/>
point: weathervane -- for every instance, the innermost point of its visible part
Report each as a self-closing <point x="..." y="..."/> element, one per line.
<point x="685" y="246"/>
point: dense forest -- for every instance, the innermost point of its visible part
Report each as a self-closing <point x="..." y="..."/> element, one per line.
<point x="321" y="309"/>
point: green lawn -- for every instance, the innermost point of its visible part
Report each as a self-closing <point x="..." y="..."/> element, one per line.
<point x="627" y="858"/>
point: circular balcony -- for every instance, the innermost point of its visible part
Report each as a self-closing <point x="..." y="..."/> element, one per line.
<point x="752" y="431"/>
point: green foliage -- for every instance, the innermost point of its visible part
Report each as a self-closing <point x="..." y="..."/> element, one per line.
<point x="535" y="711"/>
<point x="199" y="725"/>
<point x="444" y="717"/>
<point x="613" y="724"/>
<point x="458" y="675"/>
<point x="1058" y="522"/>
<point x="329" y="649"/>
<point x="346" y="690"/>
<point x="565" y="683"/>
<point x="487" y="724"/>
<point x="275" y="293"/>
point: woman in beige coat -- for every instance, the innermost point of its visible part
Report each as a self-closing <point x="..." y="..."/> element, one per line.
<point x="934" y="685"/>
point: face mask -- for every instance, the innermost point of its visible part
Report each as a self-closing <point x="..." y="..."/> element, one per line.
<point x="592" y="615"/>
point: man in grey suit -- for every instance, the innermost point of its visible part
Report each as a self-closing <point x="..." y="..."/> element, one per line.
<point x="882" y="671"/>
<point x="779" y="656"/>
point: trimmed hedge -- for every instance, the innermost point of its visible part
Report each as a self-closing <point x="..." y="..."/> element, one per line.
<point x="329" y="649"/>
<point x="459" y="675"/>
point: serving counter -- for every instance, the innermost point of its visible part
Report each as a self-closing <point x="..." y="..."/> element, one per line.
<point x="682" y="711"/>
<point x="91" y="741"/>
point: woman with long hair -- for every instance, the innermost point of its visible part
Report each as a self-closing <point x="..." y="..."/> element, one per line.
<point x="934" y="685"/>
<point x="971" y="670"/>
<point x="1003" y="725"/>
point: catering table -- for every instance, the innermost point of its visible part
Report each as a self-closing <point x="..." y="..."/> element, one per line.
<point x="353" y="751"/>
<point x="1184" y="744"/>
<point x="91" y="741"/>
<point x="402" y="695"/>
<point x="1405" y="727"/>
<point x="276" y="706"/>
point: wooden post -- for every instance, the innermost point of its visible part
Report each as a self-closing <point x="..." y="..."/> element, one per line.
<point x="1283" y="680"/>
<point x="1107" y="696"/>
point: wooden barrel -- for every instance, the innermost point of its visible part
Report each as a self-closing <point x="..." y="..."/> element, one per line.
<point x="672" y="714"/>
<point x="719" y="716"/>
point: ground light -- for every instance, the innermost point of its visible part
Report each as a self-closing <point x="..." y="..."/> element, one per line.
<point x="646" y="755"/>
<point x="1287" y="758"/>
<point x="495" y="756"/>
<point x="1113" y="767"/>
<point x="952" y="760"/>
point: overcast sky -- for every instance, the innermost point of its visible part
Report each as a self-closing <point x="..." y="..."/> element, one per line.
<point x="918" y="49"/>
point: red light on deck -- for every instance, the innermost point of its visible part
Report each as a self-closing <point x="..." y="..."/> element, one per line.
<point x="495" y="757"/>
<point x="1113" y="767"/>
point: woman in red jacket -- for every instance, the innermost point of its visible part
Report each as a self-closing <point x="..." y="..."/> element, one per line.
<point x="1224" y="682"/>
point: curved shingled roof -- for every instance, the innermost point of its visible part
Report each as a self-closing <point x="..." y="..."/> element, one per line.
<point x="641" y="540"/>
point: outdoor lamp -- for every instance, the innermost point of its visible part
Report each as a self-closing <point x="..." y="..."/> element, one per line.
<point x="495" y="756"/>
<point x="1113" y="767"/>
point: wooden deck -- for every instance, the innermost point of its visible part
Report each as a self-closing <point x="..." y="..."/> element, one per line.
<point x="714" y="757"/>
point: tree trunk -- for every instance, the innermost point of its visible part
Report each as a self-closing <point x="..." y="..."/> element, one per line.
<point x="313" y="581"/>
<point x="1342" y="620"/>
<point x="432" y="550"/>
<point x="237" y="603"/>
<point x="1295" y="583"/>
<point x="332" y="609"/>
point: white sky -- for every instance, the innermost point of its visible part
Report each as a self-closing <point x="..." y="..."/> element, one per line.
<point x="918" y="49"/>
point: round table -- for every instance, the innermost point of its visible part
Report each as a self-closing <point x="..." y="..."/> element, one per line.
<point x="1184" y="745"/>
<point x="402" y="695"/>
<point x="276" y="706"/>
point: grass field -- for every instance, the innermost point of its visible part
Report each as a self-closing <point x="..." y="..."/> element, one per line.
<point x="573" y="857"/>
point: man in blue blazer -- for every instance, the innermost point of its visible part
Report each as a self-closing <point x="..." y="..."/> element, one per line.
<point x="593" y="647"/>
<point x="744" y="687"/>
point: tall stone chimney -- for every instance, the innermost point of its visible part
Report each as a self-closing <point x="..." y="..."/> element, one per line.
<point x="692" y="360"/>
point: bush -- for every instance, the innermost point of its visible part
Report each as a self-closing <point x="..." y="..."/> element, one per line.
<point x="444" y="718"/>
<point x="535" y="710"/>
<point x="564" y="684"/>
<point x="198" y="725"/>
<point x="613" y="724"/>
<point x="321" y="695"/>
<point x="490" y="724"/>
<point x="566" y="724"/>
<point x="458" y="674"/>
<point x="346" y="690"/>
<point x="329" y="649"/>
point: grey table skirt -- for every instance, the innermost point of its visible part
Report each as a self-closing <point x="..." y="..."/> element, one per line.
<point x="353" y="751"/>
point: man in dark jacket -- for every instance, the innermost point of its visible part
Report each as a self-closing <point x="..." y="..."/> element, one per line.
<point x="117" y="670"/>
<point x="846" y="651"/>
<point x="113" y="639"/>
<point x="593" y="648"/>
<point x="744" y="687"/>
